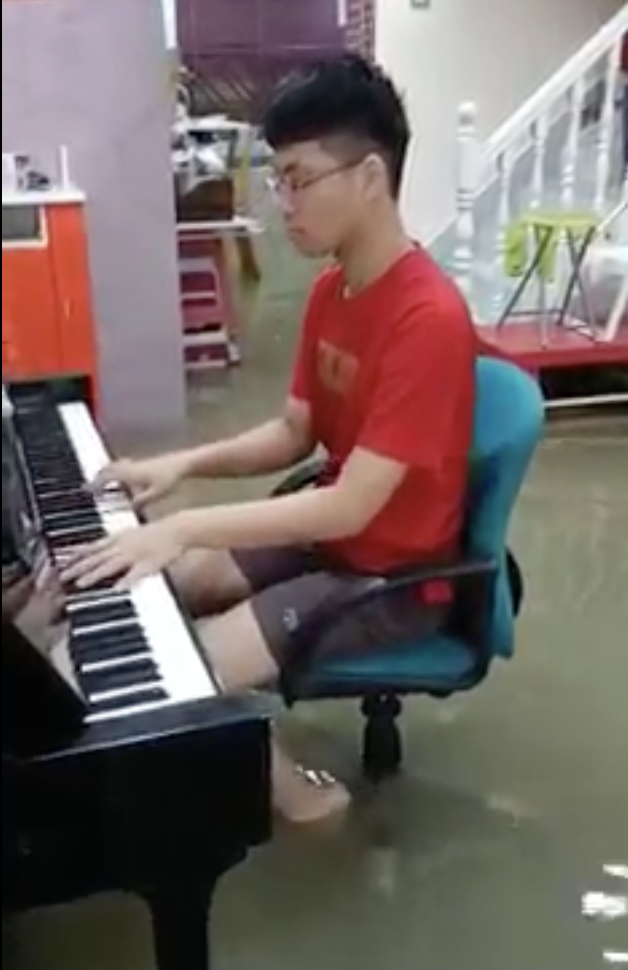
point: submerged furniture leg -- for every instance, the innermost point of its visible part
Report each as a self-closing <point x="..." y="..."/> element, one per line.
<point x="533" y="266"/>
<point x="577" y="254"/>
<point x="619" y="311"/>
<point x="180" y="916"/>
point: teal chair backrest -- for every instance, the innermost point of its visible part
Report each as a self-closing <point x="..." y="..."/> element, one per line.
<point x="509" y="425"/>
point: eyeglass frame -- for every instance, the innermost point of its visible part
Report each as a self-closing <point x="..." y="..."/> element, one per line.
<point x="278" y="183"/>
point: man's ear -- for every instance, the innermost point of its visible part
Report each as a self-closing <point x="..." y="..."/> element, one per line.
<point x="375" y="174"/>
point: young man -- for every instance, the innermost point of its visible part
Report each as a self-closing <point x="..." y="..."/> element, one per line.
<point x="384" y="380"/>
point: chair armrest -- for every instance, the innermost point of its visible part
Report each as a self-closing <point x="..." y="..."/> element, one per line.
<point x="302" y="477"/>
<point x="473" y="583"/>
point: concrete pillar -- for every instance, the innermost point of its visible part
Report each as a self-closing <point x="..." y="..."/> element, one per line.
<point x="93" y="75"/>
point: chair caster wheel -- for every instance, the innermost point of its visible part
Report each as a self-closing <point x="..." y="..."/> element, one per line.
<point x="382" y="751"/>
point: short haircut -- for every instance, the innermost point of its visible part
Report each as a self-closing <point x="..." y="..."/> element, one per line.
<point x="344" y="99"/>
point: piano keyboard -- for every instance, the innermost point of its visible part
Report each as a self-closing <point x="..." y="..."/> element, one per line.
<point x="131" y="652"/>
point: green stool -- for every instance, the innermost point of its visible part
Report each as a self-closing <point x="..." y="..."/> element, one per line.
<point x="532" y="246"/>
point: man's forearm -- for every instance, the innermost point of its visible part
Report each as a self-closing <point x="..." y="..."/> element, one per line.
<point x="270" y="448"/>
<point x="303" y="518"/>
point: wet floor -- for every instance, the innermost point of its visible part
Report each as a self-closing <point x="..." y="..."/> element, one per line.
<point x="513" y="798"/>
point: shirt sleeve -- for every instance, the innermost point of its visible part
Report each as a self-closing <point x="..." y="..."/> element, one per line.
<point x="423" y="398"/>
<point x="304" y="370"/>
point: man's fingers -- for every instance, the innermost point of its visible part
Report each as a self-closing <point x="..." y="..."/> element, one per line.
<point x="114" y="474"/>
<point x="134" y="576"/>
<point x="146" y="496"/>
<point x="97" y="569"/>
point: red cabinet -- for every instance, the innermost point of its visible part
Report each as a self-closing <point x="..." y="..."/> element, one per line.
<point x="47" y="319"/>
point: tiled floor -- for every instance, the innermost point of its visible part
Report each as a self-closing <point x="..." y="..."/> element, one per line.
<point x="513" y="798"/>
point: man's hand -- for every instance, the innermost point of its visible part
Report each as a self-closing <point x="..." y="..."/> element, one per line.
<point x="148" y="480"/>
<point x="15" y="596"/>
<point x="126" y="558"/>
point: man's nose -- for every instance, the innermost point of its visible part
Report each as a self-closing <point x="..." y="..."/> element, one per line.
<point x="286" y="202"/>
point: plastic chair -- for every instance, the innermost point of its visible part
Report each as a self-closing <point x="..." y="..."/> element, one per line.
<point x="487" y="584"/>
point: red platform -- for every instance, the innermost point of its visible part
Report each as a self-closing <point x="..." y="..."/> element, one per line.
<point x="522" y="341"/>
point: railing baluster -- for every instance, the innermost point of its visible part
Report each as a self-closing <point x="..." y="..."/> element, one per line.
<point x="604" y="140"/>
<point x="504" y="176"/>
<point x="622" y="229"/>
<point x="540" y="131"/>
<point x="569" y="169"/>
<point x="465" y="198"/>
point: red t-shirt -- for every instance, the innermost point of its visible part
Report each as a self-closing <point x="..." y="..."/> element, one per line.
<point x="391" y="370"/>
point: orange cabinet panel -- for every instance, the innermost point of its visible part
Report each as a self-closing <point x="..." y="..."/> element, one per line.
<point x="30" y="332"/>
<point x="71" y="273"/>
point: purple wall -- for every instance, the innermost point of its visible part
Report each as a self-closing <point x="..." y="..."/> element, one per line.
<point x="266" y="26"/>
<point x="92" y="74"/>
<point x="242" y="48"/>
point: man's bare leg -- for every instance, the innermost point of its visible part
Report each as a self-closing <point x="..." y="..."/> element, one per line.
<point x="239" y="655"/>
<point x="208" y="582"/>
<point x="216" y="593"/>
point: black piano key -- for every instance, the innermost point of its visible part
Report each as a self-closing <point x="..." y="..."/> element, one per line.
<point x="103" y="639"/>
<point x="102" y="613"/>
<point x="71" y="589"/>
<point x="125" y="631"/>
<point x="89" y="653"/>
<point x="124" y="626"/>
<point x="114" y="603"/>
<point x="86" y="598"/>
<point x="109" y="645"/>
<point x="140" y="674"/>
<point x="67" y="514"/>
<point x="153" y="695"/>
<point x="55" y="499"/>
<point x="68" y="541"/>
<point x="70" y="518"/>
<point x="56" y="479"/>
<point x="85" y="660"/>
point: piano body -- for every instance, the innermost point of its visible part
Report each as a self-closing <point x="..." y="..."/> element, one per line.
<point x="124" y="766"/>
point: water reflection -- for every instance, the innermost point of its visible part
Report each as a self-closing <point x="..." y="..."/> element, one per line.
<point x="610" y="907"/>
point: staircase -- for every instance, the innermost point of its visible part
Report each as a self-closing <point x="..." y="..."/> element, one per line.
<point x="559" y="162"/>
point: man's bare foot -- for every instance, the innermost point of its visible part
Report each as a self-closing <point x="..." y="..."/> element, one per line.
<point x="305" y="797"/>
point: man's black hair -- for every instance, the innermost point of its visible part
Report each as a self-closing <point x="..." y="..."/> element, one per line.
<point x="344" y="98"/>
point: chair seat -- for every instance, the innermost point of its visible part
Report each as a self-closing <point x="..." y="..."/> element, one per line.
<point x="441" y="663"/>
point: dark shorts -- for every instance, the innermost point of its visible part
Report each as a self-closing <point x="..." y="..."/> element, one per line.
<point x="287" y="585"/>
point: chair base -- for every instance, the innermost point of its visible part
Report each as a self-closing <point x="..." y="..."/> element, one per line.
<point x="382" y="751"/>
<point x="515" y="580"/>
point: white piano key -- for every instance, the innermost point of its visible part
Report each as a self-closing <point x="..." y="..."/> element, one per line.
<point x="88" y="445"/>
<point x="125" y="694"/>
<point x="98" y="666"/>
<point x="88" y="629"/>
<point x="79" y="602"/>
<point x="185" y="675"/>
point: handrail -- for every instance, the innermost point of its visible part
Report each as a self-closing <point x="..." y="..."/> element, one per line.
<point x="561" y="82"/>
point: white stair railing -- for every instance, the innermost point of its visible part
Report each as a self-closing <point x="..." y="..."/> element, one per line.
<point x="587" y="84"/>
<point x="465" y="198"/>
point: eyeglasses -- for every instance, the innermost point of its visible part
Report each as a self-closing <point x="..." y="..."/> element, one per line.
<point x="293" y="186"/>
